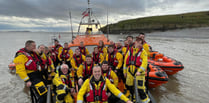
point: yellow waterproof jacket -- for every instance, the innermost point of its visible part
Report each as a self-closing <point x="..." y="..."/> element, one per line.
<point x="131" y="68"/>
<point x="146" y="48"/>
<point x="57" y="81"/>
<point x="119" y="58"/>
<point x="104" y="49"/>
<point x="86" y="88"/>
<point x="20" y="61"/>
<point x="111" y="75"/>
<point x="70" y="52"/>
<point x="80" y="70"/>
<point x="73" y="63"/>
<point x="87" y="51"/>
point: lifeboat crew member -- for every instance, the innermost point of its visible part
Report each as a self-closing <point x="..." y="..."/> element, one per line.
<point x="28" y="68"/>
<point x="102" y="49"/>
<point x="121" y="49"/>
<point x="77" y="59"/>
<point x="112" y="43"/>
<point x="97" y="57"/>
<point x="135" y="64"/>
<point x="95" y="89"/>
<point x="145" y="44"/>
<point x="83" y="49"/>
<point x="115" y="60"/>
<point x="130" y="42"/>
<point x="65" y="86"/>
<point x="65" y="55"/>
<point x="57" y="49"/>
<point x="85" y="70"/>
<point x="51" y="53"/>
<point x="50" y="65"/>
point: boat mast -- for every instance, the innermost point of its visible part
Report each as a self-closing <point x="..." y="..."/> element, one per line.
<point x="91" y="19"/>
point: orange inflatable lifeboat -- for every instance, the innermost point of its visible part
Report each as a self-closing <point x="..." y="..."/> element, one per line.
<point x="156" y="76"/>
<point x="169" y="65"/>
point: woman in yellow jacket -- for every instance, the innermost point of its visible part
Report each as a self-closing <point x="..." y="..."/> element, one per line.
<point x="135" y="64"/>
<point x="65" y="86"/>
<point x="95" y="89"/>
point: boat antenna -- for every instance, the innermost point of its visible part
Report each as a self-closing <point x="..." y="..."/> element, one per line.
<point x="107" y="27"/>
<point x="71" y="25"/>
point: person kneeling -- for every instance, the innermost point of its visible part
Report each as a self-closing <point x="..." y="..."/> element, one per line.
<point x="64" y="85"/>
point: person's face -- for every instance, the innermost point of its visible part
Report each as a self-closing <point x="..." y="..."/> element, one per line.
<point x="31" y="47"/>
<point x="110" y="49"/>
<point x="88" y="60"/>
<point x="65" y="45"/>
<point x="56" y="43"/>
<point x="130" y="40"/>
<point x="100" y="43"/>
<point x="138" y="44"/>
<point x="81" y="44"/>
<point x="96" y="50"/>
<point x="111" y="43"/>
<point x="119" y="44"/>
<point x="104" y="67"/>
<point x="64" y="70"/>
<point x="46" y="51"/>
<point x="41" y="48"/>
<point x="97" y="73"/>
<point x="77" y="52"/>
<point x="141" y="36"/>
<point x="126" y="43"/>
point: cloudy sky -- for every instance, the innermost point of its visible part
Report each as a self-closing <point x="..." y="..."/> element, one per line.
<point x="53" y="15"/>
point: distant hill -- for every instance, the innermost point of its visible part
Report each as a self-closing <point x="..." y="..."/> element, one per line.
<point x="160" y="23"/>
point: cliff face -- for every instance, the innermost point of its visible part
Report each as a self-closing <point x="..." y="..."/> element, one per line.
<point x="160" y="23"/>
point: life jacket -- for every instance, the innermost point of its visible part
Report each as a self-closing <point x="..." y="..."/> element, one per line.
<point x="65" y="55"/>
<point x="108" y="75"/>
<point x="112" y="60"/>
<point x="34" y="62"/>
<point x="130" y="46"/>
<point x="87" y="73"/>
<point x="96" y="57"/>
<point x="52" y="55"/>
<point x="83" y="50"/>
<point x="119" y="49"/>
<point x="56" y="48"/>
<point x="97" y="95"/>
<point x="67" y="81"/>
<point x="100" y="49"/>
<point x="48" y="62"/>
<point x="134" y="59"/>
<point x="78" y="61"/>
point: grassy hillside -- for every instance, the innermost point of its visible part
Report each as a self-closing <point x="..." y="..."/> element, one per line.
<point x="160" y="23"/>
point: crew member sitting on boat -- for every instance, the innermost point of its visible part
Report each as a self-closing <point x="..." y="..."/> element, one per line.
<point x="135" y="65"/>
<point x="95" y="88"/>
<point x="121" y="49"/>
<point x="65" y="55"/>
<point x="85" y="70"/>
<point x="115" y="60"/>
<point x="102" y="49"/>
<point x="77" y="59"/>
<point x="97" y="57"/>
<point x="28" y="68"/>
<point x="145" y="45"/>
<point x="51" y="53"/>
<point x="83" y="49"/>
<point x="57" y="49"/>
<point x="113" y="43"/>
<point x="65" y="86"/>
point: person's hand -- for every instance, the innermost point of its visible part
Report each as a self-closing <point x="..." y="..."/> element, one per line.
<point x="125" y="75"/>
<point x="138" y="73"/>
<point x="129" y="101"/>
<point x="28" y="84"/>
<point x="108" y="94"/>
<point x="80" y="81"/>
<point x="115" y="70"/>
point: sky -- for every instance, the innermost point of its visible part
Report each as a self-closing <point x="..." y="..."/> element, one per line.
<point x="53" y="15"/>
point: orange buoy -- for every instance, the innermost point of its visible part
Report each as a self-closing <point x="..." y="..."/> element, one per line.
<point x="12" y="66"/>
